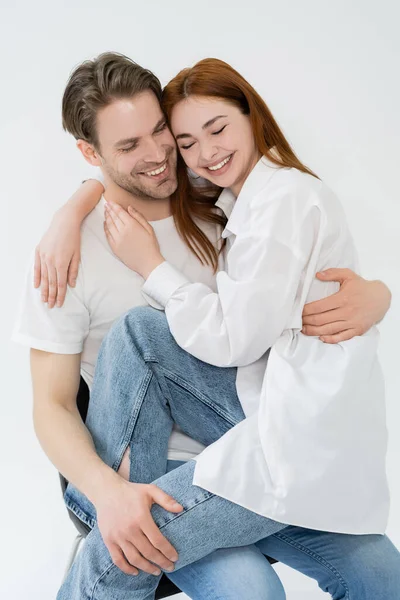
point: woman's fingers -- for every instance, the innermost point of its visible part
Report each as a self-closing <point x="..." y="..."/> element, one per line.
<point x="108" y="233"/>
<point x="62" y="278"/>
<point x="74" y="269"/>
<point x="118" y="214"/>
<point x="44" y="281"/>
<point x="37" y="272"/>
<point x="140" y="219"/>
<point x="112" y="217"/>
<point x="52" y="273"/>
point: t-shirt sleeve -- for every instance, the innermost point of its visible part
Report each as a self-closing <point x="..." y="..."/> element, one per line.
<point x="58" y="330"/>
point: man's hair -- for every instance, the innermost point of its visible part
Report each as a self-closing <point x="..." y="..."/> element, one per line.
<point x="95" y="84"/>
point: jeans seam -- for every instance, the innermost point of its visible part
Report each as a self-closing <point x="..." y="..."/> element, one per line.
<point x="133" y="418"/>
<point x="322" y="561"/>
<point x="200" y="397"/>
<point x="100" y="577"/>
<point x="206" y="496"/>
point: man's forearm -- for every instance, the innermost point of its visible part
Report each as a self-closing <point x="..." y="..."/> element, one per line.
<point x="68" y="444"/>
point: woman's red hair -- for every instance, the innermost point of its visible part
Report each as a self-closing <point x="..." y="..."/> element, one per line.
<point x="216" y="79"/>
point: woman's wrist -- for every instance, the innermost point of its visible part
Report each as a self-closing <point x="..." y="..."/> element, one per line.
<point x="152" y="264"/>
<point x="84" y="200"/>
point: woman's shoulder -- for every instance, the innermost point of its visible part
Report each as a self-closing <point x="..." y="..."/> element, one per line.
<point x="295" y="188"/>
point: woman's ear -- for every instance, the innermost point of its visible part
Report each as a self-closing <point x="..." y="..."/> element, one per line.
<point x="89" y="153"/>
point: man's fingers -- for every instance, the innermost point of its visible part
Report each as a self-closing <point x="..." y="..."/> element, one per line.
<point x="348" y="334"/>
<point x="160" y="542"/>
<point x="119" y="559"/>
<point x="328" y="329"/>
<point x="150" y="555"/>
<point x="74" y="269"/>
<point x="320" y="306"/>
<point x="164" y="500"/>
<point x="140" y="219"/>
<point x="324" y="318"/>
<point x="135" y="558"/>
<point x="339" y="275"/>
<point x="37" y="271"/>
<point x="44" y="288"/>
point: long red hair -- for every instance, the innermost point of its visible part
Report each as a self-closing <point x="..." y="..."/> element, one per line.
<point x="212" y="77"/>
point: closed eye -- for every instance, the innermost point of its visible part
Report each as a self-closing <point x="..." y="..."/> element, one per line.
<point x="129" y="148"/>
<point x="187" y="147"/>
<point x="219" y="131"/>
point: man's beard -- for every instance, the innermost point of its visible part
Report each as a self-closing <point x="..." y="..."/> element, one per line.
<point x="135" y="184"/>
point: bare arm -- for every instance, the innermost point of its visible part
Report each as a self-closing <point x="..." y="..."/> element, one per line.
<point x="123" y="508"/>
<point x="59" y="427"/>
<point x="58" y="254"/>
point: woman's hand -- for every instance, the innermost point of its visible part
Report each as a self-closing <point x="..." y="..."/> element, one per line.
<point x="132" y="239"/>
<point x="57" y="257"/>
<point x="354" y="309"/>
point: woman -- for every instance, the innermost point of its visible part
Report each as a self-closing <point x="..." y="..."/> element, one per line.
<point x="283" y="226"/>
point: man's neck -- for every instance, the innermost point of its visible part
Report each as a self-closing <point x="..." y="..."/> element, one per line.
<point x="152" y="209"/>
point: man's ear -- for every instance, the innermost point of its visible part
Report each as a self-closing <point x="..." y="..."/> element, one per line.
<point x="89" y="153"/>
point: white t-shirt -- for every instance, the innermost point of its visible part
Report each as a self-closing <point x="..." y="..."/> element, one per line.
<point x="105" y="290"/>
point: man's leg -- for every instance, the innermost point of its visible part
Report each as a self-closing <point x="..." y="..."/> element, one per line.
<point x="132" y="398"/>
<point x="206" y="524"/>
<point x="351" y="567"/>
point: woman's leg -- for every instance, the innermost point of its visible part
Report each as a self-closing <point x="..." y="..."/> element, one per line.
<point x="229" y="573"/>
<point x="144" y="382"/>
<point x="350" y="567"/>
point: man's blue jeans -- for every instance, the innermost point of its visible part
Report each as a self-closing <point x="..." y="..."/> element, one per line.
<point x="145" y="379"/>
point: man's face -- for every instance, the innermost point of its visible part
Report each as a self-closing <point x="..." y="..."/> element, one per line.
<point x="137" y="149"/>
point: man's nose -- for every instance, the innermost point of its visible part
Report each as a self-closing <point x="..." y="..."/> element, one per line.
<point x="155" y="152"/>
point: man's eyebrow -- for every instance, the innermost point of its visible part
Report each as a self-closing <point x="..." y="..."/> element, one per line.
<point x="132" y="141"/>
<point x="208" y="124"/>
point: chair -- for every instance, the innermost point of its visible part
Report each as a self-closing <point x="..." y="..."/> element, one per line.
<point x="165" y="588"/>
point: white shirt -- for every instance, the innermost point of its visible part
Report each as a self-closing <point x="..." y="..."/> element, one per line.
<point x="105" y="289"/>
<point x="311" y="451"/>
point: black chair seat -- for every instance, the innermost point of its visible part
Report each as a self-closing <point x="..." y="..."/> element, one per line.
<point x="165" y="588"/>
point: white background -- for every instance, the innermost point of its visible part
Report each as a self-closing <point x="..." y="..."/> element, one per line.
<point x="330" y="73"/>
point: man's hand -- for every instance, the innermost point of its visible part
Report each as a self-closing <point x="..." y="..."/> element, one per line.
<point x="354" y="309"/>
<point x="129" y="531"/>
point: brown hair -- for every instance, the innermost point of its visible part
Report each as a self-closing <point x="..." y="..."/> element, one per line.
<point x="94" y="84"/>
<point x="214" y="78"/>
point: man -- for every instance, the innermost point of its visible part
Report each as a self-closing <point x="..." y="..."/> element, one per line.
<point x="112" y="108"/>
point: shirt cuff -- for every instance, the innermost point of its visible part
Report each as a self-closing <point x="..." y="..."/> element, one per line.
<point x="163" y="282"/>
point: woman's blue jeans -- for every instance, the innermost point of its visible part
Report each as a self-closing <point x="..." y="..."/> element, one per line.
<point x="143" y="383"/>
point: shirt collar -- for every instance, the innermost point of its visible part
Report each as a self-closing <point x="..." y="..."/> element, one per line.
<point x="235" y="208"/>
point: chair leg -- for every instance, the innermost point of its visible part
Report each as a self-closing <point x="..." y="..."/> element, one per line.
<point x="74" y="551"/>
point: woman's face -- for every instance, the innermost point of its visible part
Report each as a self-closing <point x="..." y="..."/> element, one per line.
<point x="215" y="140"/>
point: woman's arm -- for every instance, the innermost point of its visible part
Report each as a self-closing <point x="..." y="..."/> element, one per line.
<point x="57" y="256"/>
